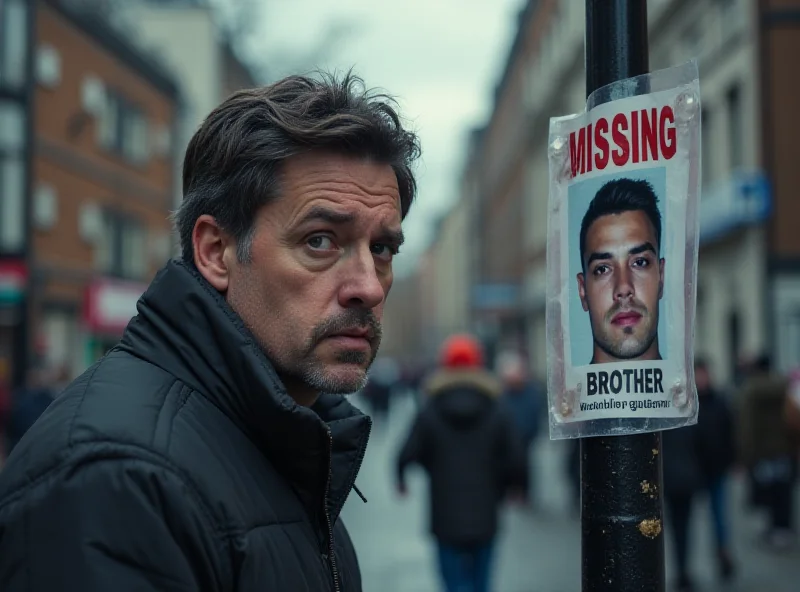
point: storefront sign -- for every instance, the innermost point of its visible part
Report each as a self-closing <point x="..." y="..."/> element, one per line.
<point x="110" y="305"/>
<point x="13" y="276"/>
<point x="737" y="201"/>
<point x="495" y="296"/>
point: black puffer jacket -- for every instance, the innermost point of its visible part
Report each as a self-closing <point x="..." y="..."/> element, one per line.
<point x="470" y="448"/>
<point x="178" y="462"/>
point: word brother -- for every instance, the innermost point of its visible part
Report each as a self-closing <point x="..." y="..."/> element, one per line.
<point x="631" y="382"/>
<point x="638" y="136"/>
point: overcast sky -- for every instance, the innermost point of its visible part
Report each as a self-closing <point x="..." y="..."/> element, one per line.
<point x="440" y="58"/>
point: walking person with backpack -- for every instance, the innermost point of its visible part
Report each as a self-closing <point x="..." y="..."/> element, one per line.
<point x="468" y="445"/>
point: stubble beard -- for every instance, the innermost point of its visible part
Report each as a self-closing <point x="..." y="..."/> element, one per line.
<point x="304" y="365"/>
<point x="628" y="348"/>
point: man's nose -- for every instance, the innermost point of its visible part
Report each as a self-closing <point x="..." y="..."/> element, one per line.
<point x="623" y="288"/>
<point x="361" y="286"/>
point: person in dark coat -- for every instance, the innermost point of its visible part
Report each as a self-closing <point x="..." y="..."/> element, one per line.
<point x="683" y="481"/>
<point x="766" y="447"/>
<point x="30" y="401"/>
<point x="212" y="449"/>
<point x="717" y="456"/>
<point x="473" y="455"/>
<point x="525" y="403"/>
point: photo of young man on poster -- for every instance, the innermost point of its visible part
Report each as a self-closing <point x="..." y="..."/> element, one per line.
<point x="621" y="281"/>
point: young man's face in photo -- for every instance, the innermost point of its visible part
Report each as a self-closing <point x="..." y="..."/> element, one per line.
<point x="621" y="286"/>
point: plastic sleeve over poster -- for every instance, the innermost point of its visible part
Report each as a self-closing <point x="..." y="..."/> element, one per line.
<point x="622" y="242"/>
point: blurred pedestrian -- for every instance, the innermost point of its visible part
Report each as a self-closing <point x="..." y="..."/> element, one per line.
<point x="31" y="400"/>
<point x="212" y="448"/>
<point x="766" y="446"/>
<point x="381" y="383"/>
<point x="474" y="457"/>
<point x="717" y="456"/>
<point x="683" y="481"/>
<point x="756" y="494"/>
<point x="523" y="398"/>
<point x="792" y="410"/>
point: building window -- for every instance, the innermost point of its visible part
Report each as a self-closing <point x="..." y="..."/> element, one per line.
<point x="12" y="126"/>
<point x="13" y="42"/>
<point x="12" y="202"/>
<point x="133" y="249"/>
<point x="108" y="123"/>
<point x="733" y="100"/>
<point x="134" y="135"/>
<point x="122" y="129"/>
<point x="121" y="250"/>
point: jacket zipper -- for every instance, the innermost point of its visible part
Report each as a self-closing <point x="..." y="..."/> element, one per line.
<point x="360" y="460"/>
<point x="331" y="554"/>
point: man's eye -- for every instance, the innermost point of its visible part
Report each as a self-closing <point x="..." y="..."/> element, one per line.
<point x="641" y="262"/>
<point x="320" y="243"/>
<point x="384" y="252"/>
<point x="601" y="269"/>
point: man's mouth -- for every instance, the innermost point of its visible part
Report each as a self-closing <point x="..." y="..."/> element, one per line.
<point x="626" y="319"/>
<point x="360" y="332"/>
<point x="355" y="338"/>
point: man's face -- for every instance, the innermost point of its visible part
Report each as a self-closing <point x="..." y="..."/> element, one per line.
<point x="621" y="285"/>
<point x="321" y="267"/>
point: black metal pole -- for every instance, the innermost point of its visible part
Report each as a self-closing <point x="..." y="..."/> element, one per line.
<point x="621" y="495"/>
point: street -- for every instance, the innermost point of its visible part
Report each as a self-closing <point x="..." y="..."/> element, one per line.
<point x="539" y="551"/>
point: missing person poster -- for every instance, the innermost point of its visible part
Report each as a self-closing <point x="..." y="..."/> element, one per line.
<point x="622" y="251"/>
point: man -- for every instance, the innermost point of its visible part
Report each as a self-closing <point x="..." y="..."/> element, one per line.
<point x="717" y="457"/>
<point x="524" y="401"/>
<point x="31" y="400"/>
<point x="767" y="448"/>
<point x="468" y="445"/>
<point x="382" y="383"/>
<point x="201" y="453"/>
<point x="622" y="277"/>
<point x="683" y="481"/>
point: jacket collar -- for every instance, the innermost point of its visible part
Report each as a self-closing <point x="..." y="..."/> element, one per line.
<point x="186" y="327"/>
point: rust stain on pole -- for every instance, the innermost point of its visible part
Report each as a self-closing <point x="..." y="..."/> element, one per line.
<point x="650" y="528"/>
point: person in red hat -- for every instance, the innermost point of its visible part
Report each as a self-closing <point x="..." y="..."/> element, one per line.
<point x="469" y="447"/>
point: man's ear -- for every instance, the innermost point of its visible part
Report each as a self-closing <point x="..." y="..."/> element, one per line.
<point x="210" y="244"/>
<point x="661" y="264"/>
<point x="582" y="291"/>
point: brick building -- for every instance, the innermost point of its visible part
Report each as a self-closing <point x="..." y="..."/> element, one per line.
<point x="102" y="182"/>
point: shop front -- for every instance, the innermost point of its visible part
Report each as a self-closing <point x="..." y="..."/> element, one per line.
<point x="108" y="307"/>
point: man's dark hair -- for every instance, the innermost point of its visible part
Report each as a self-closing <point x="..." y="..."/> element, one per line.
<point x="622" y="195"/>
<point x="232" y="164"/>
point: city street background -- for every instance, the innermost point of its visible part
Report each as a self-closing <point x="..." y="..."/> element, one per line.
<point x="539" y="550"/>
<point x="99" y="100"/>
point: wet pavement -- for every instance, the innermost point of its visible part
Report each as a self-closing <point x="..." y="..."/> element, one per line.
<point x="538" y="550"/>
